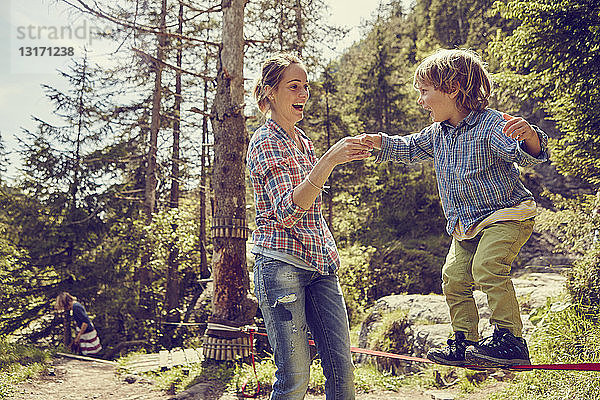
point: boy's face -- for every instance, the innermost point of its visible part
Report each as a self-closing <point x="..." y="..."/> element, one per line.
<point x="441" y="105"/>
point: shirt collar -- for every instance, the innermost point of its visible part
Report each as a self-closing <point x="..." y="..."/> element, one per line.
<point x="470" y="120"/>
<point x="277" y="128"/>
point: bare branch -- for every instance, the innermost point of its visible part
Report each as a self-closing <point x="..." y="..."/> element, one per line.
<point x="86" y="9"/>
<point x="199" y="111"/>
<point x="152" y="60"/>
<point x="215" y="8"/>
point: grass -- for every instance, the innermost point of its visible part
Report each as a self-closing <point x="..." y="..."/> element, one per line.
<point x="233" y="377"/>
<point x="19" y="363"/>
<point x="565" y="333"/>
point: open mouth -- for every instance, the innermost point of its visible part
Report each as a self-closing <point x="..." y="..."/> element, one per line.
<point x="298" y="106"/>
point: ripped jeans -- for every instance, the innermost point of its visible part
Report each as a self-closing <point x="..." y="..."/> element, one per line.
<point x="294" y="301"/>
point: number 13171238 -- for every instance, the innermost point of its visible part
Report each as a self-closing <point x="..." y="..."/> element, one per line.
<point x="46" y="51"/>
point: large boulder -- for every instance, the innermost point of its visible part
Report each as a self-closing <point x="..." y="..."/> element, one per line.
<point x="426" y="318"/>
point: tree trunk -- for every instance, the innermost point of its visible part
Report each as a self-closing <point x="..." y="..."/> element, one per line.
<point x="299" y="25"/>
<point x="204" y="270"/>
<point x="232" y="303"/>
<point x="281" y="28"/>
<point x="150" y="188"/>
<point x="173" y="283"/>
<point x="67" y="328"/>
<point x="150" y="179"/>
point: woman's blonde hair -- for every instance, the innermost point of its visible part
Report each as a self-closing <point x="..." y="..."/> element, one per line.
<point x="271" y="74"/>
<point x="63" y="301"/>
<point x="449" y="70"/>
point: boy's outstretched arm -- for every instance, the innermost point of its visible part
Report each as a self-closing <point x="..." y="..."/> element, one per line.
<point x="519" y="129"/>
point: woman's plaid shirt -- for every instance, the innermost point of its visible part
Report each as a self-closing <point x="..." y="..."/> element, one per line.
<point x="474" y="164"/>
<point x="276" y="167"/>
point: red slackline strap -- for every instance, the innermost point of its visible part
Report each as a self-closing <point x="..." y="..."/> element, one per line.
<point x="561" y="367"/>
<point x="257" y="389"/>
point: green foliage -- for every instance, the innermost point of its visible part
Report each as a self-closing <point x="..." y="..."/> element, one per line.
<point x="19" y="362"/>
<point x="577" y="223"/>
<point x="413" y="271"/>
<point x="584" y="279"/>
<point x="178" y="378"/>
<point x="367" y="378"/>
<point x="354" y="279"/>
<point x="564" y="334"/>
<point x="379" y="98"/>
<point x="391" y="335"/>
<point x="552" y="57"/>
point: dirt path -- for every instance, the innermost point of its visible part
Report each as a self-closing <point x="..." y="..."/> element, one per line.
<point x="82" y="380"/>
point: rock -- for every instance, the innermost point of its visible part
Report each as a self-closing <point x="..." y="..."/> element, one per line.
<point x="130" y="378"/>
<point x="428" y="318"/>
<point x="425" y="337"/>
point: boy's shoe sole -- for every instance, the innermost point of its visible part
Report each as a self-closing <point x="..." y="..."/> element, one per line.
<point x="464" y="364"/>
<point x="493" y="362"/>
<point x="439" y="360"/>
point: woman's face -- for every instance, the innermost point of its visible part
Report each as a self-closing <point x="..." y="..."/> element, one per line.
<point x="290" y="96"/>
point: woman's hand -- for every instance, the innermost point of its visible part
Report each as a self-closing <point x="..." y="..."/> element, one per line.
<point x="345" y="150"/>
<point x="348" y="149"/>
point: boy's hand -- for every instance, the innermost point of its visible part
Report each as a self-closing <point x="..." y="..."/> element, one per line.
<point x="372" y="140"/>
<point x="519" y="129"/>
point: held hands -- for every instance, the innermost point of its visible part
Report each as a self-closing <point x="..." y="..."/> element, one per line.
<point x="349" y="149"/>
<point x="371" y="139"/>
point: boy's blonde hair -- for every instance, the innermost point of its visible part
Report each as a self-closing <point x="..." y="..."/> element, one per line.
<point x="271" y="74"/>
<point x="448" y="70"/>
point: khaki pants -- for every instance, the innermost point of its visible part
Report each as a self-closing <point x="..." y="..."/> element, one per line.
<point x="485" y="261"/>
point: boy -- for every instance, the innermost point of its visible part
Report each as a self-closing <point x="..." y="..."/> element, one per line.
<point x="489" y="211"/>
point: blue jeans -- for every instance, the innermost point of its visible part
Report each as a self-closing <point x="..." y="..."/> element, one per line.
<point x="294" y="301"/>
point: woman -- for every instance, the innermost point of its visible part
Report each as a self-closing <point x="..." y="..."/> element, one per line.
<point x="87" y="340"/>
<point x="296" y="257"/>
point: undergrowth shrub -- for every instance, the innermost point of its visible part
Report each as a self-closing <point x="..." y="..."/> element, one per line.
<point x="583" y="281"/>
<point x="577" y="224"/>
<point x="19" y="362"/>
<point x="564" y="333"/>
<point x="391" y="335"/>
<point x="368" y="273"/>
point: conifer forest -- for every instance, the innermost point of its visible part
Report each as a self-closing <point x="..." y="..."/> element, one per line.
<point x="135" y="197"/>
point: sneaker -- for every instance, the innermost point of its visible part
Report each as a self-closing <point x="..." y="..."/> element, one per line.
<point x="502" y="349"/>
<point x="454" y="353"/>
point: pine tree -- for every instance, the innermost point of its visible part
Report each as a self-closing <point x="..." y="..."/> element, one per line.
<point x="297" y="27"/>
<point x="552" y="59"/>
<point x="232" y="304"/>
<point x="61" y="196"/>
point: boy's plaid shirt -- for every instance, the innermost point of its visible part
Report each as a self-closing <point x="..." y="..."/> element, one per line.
<point x="474" y="164"/>
<point x="276" y="167"/>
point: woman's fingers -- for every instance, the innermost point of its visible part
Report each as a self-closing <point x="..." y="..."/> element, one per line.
<point x="350" y="149"/>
